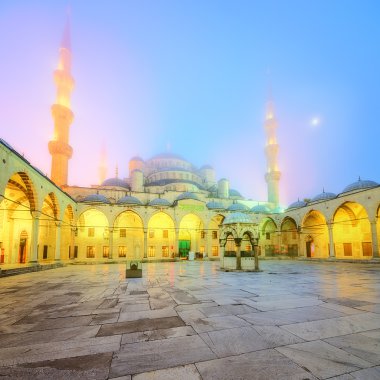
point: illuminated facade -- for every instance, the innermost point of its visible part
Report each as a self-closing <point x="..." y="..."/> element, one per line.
<point x="166" y="208"/>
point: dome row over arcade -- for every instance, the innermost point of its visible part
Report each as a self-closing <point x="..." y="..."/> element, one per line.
<point x="325" y="196"/>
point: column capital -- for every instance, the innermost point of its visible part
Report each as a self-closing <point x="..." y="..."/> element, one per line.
<point x="238" y="241"/>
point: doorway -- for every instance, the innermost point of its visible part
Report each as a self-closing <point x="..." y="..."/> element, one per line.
<point x="183" y="248"/>
<point x="22" y="247"/>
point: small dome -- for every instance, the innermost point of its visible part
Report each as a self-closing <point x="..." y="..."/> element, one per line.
<point x="237" y="217"/>
<point x="159" y="202"/>
<point x="96" y="198"/>
<point x="297" y="204"/>
<point x="115" y="182"/>
<point x="234" y="193"/>
<point x="260" y="209"/>
<point x="323" y="197"/>
<point x="237" y="207"/>
<point x="207" y="167"/>
<point x="360" y="185"/>
<point x="215" y="206"/>
<point x="187" y="195"/>
<point x="129" y="200"/>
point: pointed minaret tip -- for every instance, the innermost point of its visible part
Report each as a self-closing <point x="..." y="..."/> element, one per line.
<point x="66" y="38"/>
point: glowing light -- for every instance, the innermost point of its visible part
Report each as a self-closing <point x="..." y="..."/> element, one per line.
<point x="315" y="122"/>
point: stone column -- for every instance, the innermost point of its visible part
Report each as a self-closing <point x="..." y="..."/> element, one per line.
<point x="145" y="243"/>
<point x="208" y="249"/>
<point x="375" y="242"/>
<point x="176" y="235"/>
<point x="222" y="250"/>
<point x="238" y="253"/>
<point x="331" y="239"/>
<point x="72" y="242"/>
<point x="33" y="254"/>
<point x="110" y="242"/>
<point x="57" y="254"/>
<point x="256" y="254"/>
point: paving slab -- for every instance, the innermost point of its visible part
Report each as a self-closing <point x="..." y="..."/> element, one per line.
<point x="188" y="372"/>
<point x="335" y="326"/>
<point x="139" y="325"/>
<point x="322" y="359"/>
<point x="266" y="364"/>
<point x="147" y="356"/>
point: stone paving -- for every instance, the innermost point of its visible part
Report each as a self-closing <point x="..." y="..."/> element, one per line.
<point x="188" y="320"/>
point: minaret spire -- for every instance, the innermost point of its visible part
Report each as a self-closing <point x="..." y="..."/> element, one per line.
<point x="272" y="175"/>
<point x="59" y="147"/>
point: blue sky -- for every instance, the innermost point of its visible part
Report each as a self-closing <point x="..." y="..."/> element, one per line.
<point x="193" y="75"/>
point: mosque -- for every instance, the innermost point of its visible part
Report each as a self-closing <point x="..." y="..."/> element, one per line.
<point x="167" y="208"/>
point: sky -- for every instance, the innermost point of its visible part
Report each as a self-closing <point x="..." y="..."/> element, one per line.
<point x="192" y="77"/>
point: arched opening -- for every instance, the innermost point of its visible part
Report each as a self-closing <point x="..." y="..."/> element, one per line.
<point x="48" y="228"/>
<point x="16" y="223"/>
<point x="315" y="235"/>
<point x="128" y="240"/>
<point x="246" y="246"/>
<point x="212" y="235"/>
<point x="93" y="233"/>
<point x="268" y="242"/>
<point x="289" y="237"/>
<point x="190" y="230"/>
<point x="352" y="232"/>
<point x="161" y="236"/>
<point x="67" y="234"/>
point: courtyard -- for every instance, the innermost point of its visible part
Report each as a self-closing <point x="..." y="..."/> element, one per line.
<point x="188" y="320"/>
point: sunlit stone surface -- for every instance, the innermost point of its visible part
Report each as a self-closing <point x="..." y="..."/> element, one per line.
<point x="188" y="320"/>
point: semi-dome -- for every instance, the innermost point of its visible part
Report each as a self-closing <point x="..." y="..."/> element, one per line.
<point x="214" y="205"/>
<point x="237" y="207"/>
<point x="96" y="198"/>
<point x="237" y="217"/>
<point x="159" y="202"/>
<point x="115" y="182"/>
<point x="323" y="197"/>
<point x="136" y="158"/>
<point x="234" y="193"/>
<point x="297" y="204"/>
<point x="129" y="200"/>
<point x="360" y="185"/>
<point x="260" y="209"/>
<point x="187" y="195"/>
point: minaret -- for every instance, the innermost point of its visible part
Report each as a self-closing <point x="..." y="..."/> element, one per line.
<point x="59" y="147"/>
<point x="272" y="175"/>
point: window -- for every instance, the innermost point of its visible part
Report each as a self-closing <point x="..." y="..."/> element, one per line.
<point x="202" y="249"/>
<point x="203" y="234"/>
<point x="165" y="251"/>
<point x="123" y="232"/>
<point x="91" y="232"/>
<point x="106" y="251"/>
<point x="347" y="249"/>
<point x="45" y="252"/>
<point x="214" y="234"/>
<point x="151" y="251"/>
<point x="267" y="235"/>
<point x="214" y="250"/>
<point x="367" y="249"/>
<point x="151" y="234"/>
<point x="248" y="248"/>
<point x="122" y="251"/>
<point x="90" y="252"/>
<point x="165" y="234"/>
